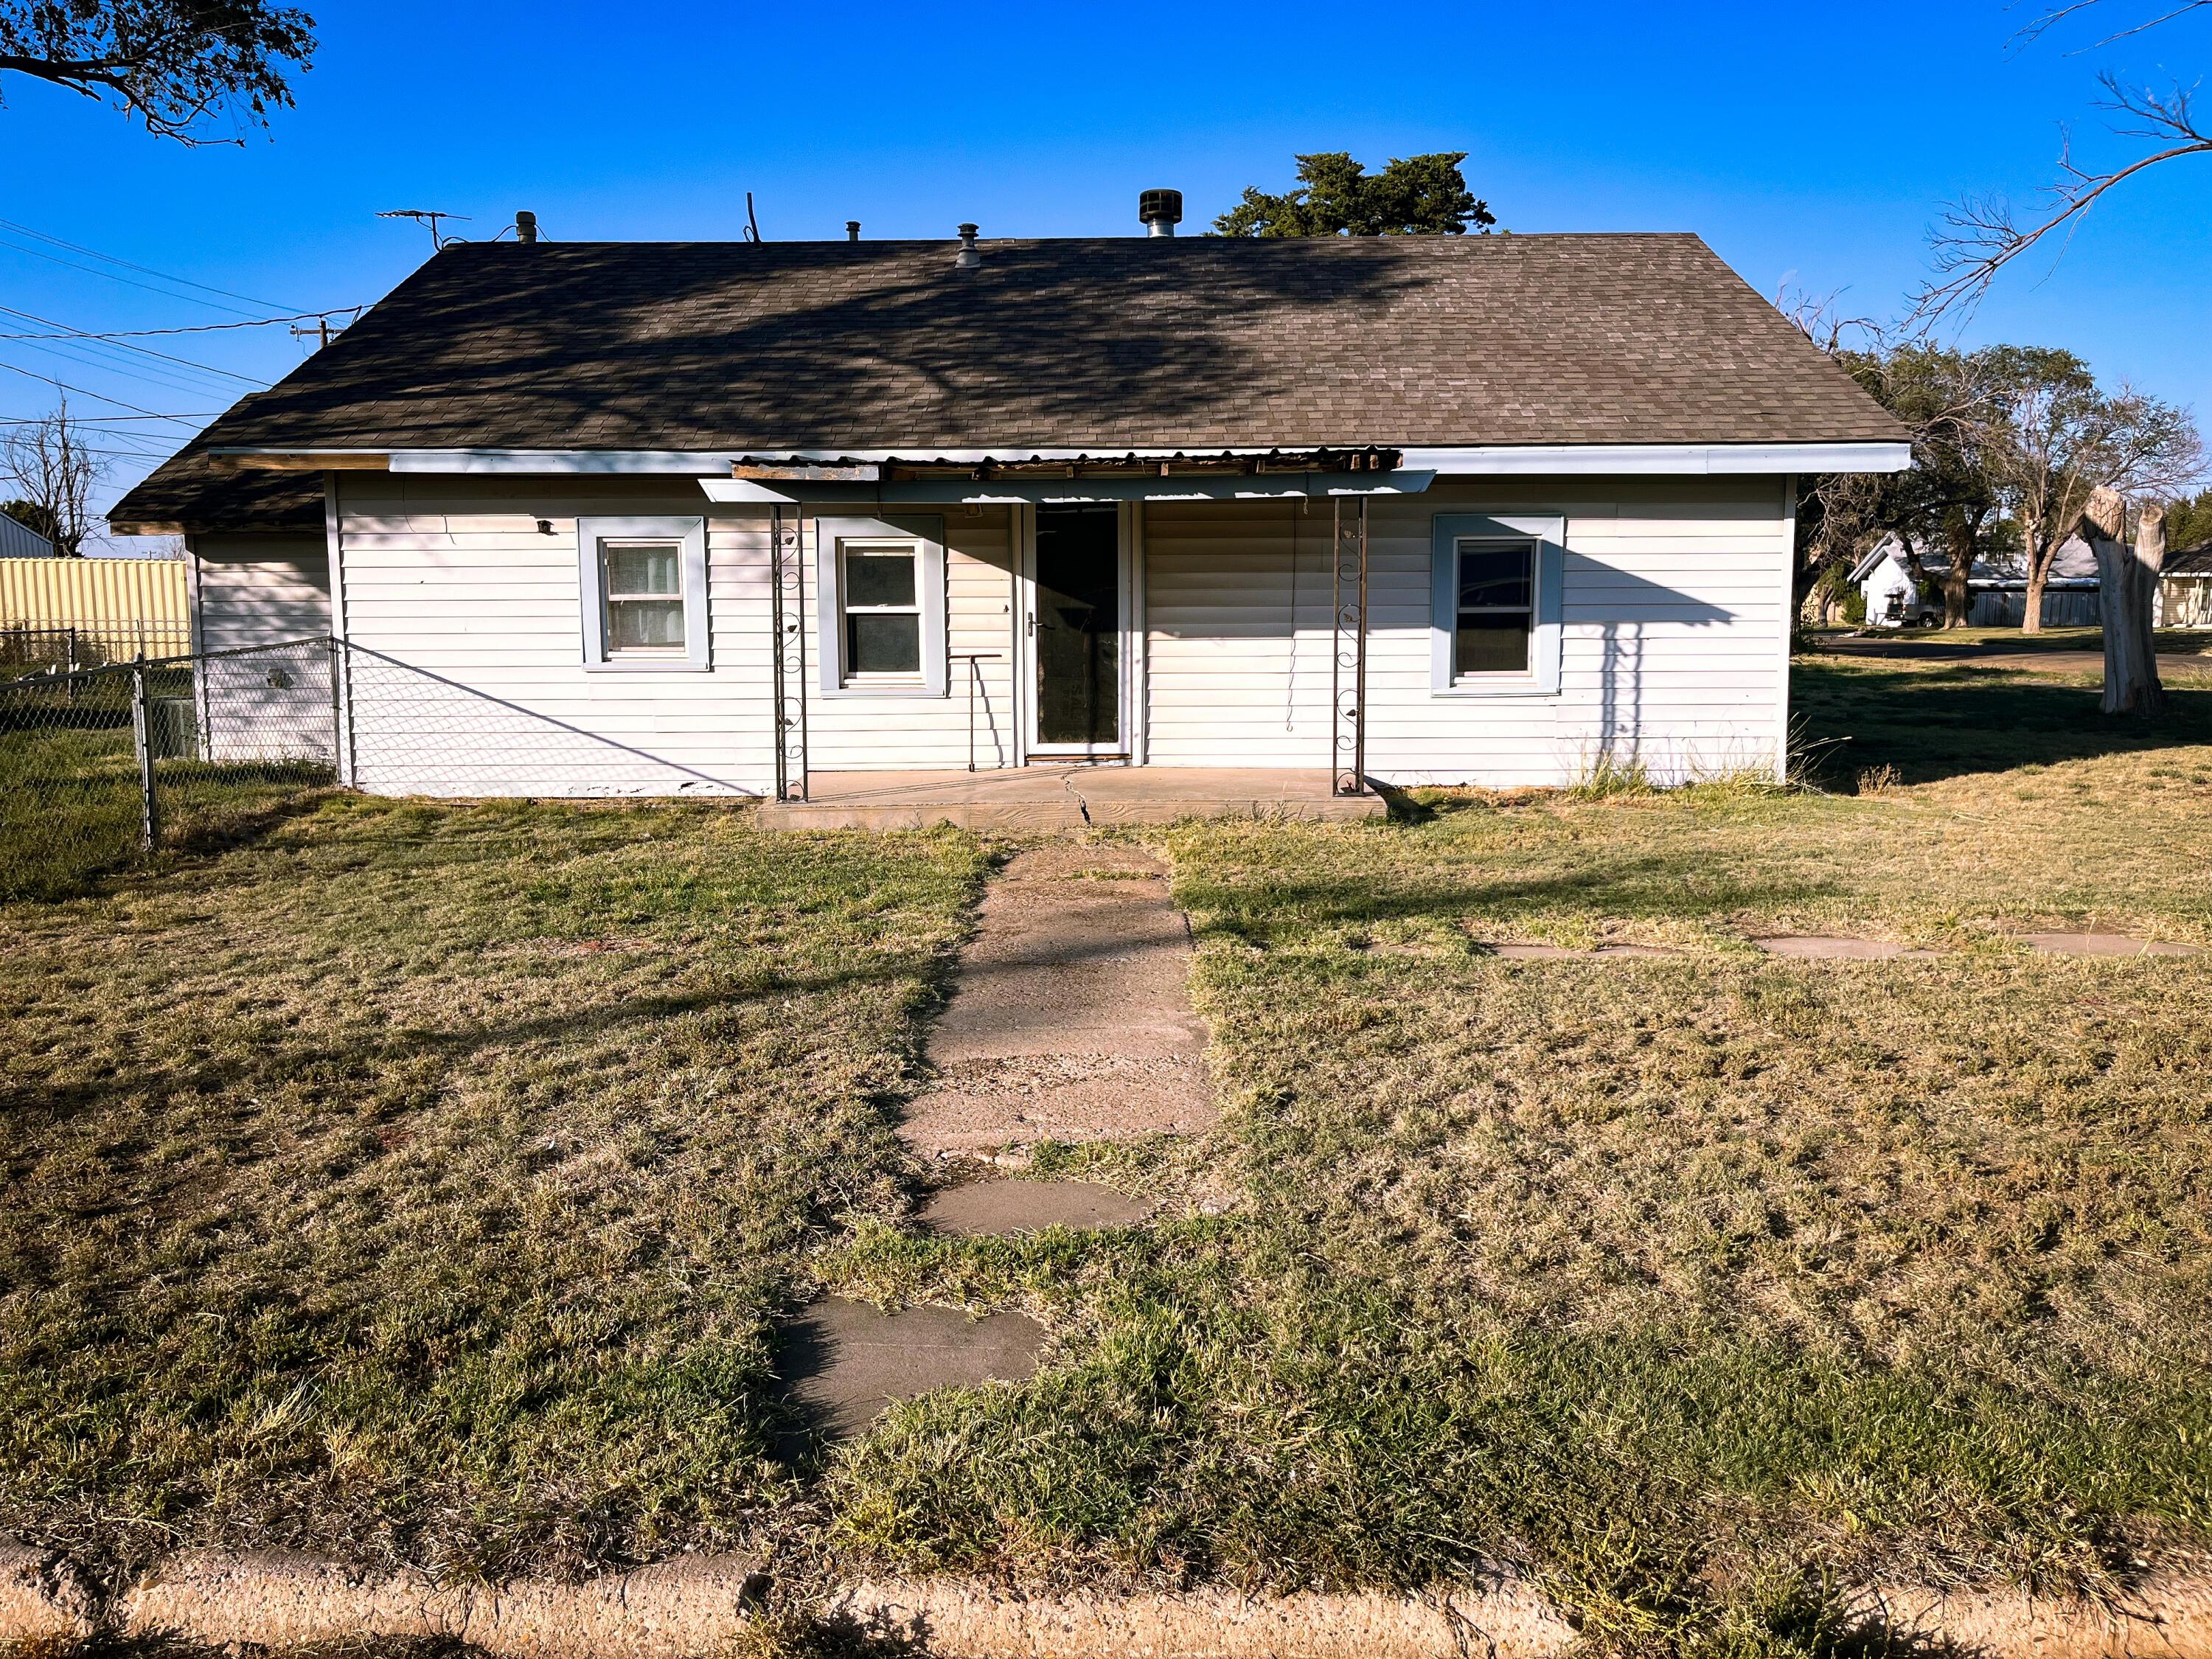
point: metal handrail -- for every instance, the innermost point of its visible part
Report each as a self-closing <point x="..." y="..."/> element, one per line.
<point x="975" y="659"/>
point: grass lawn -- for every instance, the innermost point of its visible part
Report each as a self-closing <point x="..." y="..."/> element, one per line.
<point x="421" y="1182"/>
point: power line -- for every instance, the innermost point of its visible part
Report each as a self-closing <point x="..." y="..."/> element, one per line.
<point x="120" y="345"/>
<point x="148" y="271"/>
<point x="195" y="328"/>
<point x="86" y="392"/>
<point x="148" y="374"/>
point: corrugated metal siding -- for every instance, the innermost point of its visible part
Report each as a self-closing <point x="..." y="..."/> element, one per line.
<point x="19" y="541"/>
<point x="90" y="593"/>
<point x="1674" y="624"/>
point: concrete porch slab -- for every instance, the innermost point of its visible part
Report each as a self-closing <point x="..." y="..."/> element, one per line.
<point x="1062" y="798"/>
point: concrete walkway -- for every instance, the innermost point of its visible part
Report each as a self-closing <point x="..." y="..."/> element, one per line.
<point x="1062" y="798"/>
<point x="1072" y="1017"/>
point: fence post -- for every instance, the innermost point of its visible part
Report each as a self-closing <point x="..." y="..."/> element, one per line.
<point x="142" y="734"/>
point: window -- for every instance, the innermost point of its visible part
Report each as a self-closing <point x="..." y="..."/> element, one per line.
<point x="1496" y="613"/>
<point x="644" y="589"/>
<point x="880" y="604"/>
<point x="882" y="609"/>
<point x="1495" y="621"/>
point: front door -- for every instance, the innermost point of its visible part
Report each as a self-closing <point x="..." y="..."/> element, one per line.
<point x="1078" y="597"/>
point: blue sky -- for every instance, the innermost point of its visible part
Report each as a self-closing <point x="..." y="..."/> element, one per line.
<point x="1811" y="146"/>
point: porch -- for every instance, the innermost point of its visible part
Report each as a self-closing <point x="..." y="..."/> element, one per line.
<point x="1062" y="797"/>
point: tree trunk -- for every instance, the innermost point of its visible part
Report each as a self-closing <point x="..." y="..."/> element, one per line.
<point x="1958" y="533"/>
<point x="2127" y="586"/>
<point x="2039" y="572"/>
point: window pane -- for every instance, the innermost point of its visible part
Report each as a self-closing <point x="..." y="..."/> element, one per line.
<point x="872" y="579"/>
<point x="643" y="570"/>
<point x="644" y="624"/>
<point x="1495" y="575"/>
<point x="884" y="642"/>
<point x="1492" y="644"/>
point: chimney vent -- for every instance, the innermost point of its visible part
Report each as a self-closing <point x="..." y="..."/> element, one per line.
<point x="969" y="256"/>
<point x="1161" y="212"/>
<point x="852" y="230"/>
<point x="526" y="225"/>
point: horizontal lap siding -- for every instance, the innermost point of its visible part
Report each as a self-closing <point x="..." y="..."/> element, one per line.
<point x="918" y="733"/>
<point x="478" y="687"/>
<point x="262" y="591"/>
<point x="1673" y="625"/>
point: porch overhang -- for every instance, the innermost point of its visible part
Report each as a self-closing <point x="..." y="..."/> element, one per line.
<point x="950" y="490"/>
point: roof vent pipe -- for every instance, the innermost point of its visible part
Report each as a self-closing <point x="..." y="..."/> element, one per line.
<point x="852" y="230"/>
<point x="969" y="256"/>
<point x="1161" y="212"/>
<point x="526" y="225"/>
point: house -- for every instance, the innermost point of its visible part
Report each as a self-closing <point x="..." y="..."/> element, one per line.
<point x="1998" y="586"/>
<point x="2184" y="589"/>
<point x="734" y="518"/>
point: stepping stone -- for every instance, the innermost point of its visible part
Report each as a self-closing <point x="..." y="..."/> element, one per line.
<point x="843" y="1361"/>
<point x="1071" y="1017"/>
<point x="1829" y="947"/>
<point x="2106" y="945"/>
<point x="1561" y="953"/>
<point x="986" y="1207"/>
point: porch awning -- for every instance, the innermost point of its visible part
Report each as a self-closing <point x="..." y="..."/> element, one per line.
<point x="1046" y="477"/>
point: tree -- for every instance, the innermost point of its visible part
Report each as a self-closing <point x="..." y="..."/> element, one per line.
<point x="2189" y="522"/>
<point x="48" y="462"/>
<point x="1413" y="196"/>
<point x="2058" y="437"/>
<point x="1978" y="237"/>
<point x="172" y="63"/>
<point x="1948" y="496"/>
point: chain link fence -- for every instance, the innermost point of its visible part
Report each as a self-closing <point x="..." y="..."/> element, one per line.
<point x="104" y="765"/>
<point x="109" y="765"/>
<point x="29" y="649"/>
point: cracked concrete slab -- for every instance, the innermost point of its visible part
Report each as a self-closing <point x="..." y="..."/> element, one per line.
<point x="979" y="1208"/>
<point x="1071" y="1017"/>
<point x="843" y="1361"/>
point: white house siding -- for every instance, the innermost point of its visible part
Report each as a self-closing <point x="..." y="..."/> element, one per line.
<point x="466" y="675"/>
<point x="467" y="679"/>
<point x="861" y="733"/>
<point x="1672" y="653"/>
<point x="262" y="592"/>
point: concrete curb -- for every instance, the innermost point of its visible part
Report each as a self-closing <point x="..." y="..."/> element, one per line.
<point x="963" y="1622"/>
<point x="696" y="1606"/>
<point x="668" y="1611"/>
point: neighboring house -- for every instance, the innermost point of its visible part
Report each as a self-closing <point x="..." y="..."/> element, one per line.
<point x="1999" y="589"/>
<point x="2184" y="589"/>
<point x="640" y="518"/>
<point x="20" y="541"/>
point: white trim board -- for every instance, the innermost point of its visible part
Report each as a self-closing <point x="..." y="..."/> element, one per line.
<point x="1476" y="460"/>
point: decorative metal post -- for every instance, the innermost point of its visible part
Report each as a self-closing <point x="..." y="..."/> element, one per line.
<point x="142" y="735"/>
<point x="1347" y="689"/>
<point x="787" y="652"/>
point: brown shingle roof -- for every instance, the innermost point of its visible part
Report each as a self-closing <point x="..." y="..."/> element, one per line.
<point x="1099" y="343"/>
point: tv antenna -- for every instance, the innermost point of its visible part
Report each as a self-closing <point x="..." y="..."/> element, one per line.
<point x="430" y="219"/>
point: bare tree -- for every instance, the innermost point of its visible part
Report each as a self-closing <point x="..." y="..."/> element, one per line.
<point x="172" y="63"/>
<point x="1978" y="237"/>
<point x="50" y="468"/>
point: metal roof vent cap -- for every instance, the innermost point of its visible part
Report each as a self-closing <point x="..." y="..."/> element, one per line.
<point x="1160" y="210"/>
<point x="969" y="256"/>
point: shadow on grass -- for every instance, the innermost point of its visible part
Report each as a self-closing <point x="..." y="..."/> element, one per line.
<point x="1938" y="722"/>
